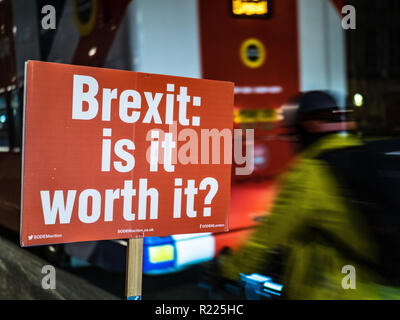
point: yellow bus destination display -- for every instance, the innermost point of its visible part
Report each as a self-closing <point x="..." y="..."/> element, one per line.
<point x="255" y="115"/>
<point x="253" y="8"/>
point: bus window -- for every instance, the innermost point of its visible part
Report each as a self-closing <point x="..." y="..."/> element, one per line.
<point x="10" y="122"/>
<point x="16" y="105"/>
<point x="4" y="146"/>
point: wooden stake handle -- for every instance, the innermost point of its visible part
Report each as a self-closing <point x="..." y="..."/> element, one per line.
<point x="133" y="277"/>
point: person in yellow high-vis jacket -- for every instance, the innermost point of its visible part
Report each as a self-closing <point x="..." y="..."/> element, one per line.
<point x="311" y="199"/>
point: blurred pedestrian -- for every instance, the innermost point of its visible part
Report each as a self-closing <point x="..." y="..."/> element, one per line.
<point x="314" y="218"/>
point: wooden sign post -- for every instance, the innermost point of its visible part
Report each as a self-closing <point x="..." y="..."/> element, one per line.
<point x="133" y="276"/>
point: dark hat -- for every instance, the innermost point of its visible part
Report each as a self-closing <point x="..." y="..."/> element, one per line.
<point x="315" y="101"/>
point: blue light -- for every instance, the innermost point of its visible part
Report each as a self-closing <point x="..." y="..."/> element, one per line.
<point x="158" y="267"/>
<point x="3" y="118"/>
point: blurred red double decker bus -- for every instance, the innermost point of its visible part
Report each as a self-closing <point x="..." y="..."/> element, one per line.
<point x="270" y="49"/>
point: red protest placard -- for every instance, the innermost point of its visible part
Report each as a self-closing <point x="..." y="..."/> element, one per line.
<point x="111" y="154"/>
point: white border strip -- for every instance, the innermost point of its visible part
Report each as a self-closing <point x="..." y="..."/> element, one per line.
<point x="23" y="154"/>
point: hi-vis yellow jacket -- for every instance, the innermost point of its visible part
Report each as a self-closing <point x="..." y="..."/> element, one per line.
<point x="312" y="199"/>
